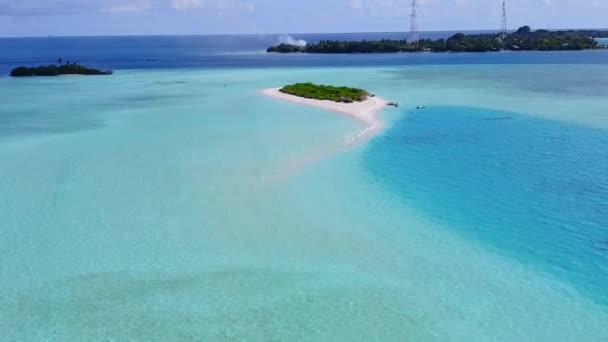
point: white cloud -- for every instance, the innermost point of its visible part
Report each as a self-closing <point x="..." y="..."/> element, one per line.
<point x="382" y="8"/>
<point x="234" y="6"/>
<point x="35" y="7"/>
<point x="134" y="7"/>
<point x="356" y="4"/>
<point x="220" y="6"/>
<point x="184" y="5"/>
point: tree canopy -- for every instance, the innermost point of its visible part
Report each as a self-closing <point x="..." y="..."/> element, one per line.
<point x="326" y="92"/>
<point x="54" y="70"/>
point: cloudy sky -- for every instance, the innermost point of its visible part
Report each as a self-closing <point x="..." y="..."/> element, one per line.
<point x="132" y="17"/>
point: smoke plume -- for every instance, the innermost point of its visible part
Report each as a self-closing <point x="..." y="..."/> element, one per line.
<point x="286" y="39"/>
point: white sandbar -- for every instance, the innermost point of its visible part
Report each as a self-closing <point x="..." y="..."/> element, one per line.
<point x="364" y="111"/>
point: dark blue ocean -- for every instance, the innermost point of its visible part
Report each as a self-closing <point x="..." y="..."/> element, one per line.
<point x="152" y="52"/>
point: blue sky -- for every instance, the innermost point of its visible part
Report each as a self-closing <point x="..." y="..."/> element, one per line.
<point x="131" y="17"/>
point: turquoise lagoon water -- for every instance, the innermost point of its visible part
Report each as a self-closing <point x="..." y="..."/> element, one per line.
<point x="180" y="205"/>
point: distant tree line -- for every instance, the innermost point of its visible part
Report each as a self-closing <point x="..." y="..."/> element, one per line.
<point x="524" y="39"/>
<point x="56" y="70"/>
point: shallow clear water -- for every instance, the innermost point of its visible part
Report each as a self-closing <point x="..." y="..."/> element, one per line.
<point x="181" y="205"/>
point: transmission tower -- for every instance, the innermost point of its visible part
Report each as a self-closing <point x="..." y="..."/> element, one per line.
<point x="414" y="25"/>
<point x="503" y="25"/>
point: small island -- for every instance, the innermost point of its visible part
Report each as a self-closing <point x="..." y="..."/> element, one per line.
<point x="325" y="92"/>
<point x="524" y="39"/>
<point x="57" y="70"/>
<point x="353" y="102"/>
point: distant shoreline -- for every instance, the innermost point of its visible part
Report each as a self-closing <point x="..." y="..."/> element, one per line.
<point x="524" y="39"/>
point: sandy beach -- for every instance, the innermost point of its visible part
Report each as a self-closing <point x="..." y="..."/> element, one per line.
<point x="366" y="111"/>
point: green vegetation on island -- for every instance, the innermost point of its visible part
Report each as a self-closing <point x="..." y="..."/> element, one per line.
<point x="524" y="39"/>
<point x="56" y="70"/>
<point x="325" y="92"/>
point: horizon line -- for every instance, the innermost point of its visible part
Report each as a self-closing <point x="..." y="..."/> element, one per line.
<point x="274" y="34"/>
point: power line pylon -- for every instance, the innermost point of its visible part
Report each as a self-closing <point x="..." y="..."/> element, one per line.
<point x="503" y="25"/>
<point x="414" y="24"/>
